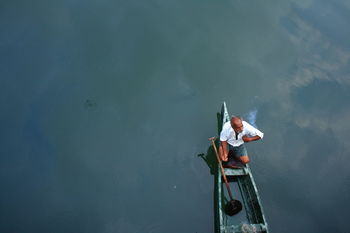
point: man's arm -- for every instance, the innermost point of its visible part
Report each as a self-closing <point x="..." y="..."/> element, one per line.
<point x="250" y="139"/>
<point x="250" y="131"/>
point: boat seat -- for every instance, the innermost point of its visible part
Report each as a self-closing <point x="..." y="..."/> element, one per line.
<point x="236" y="172"/>
<point x="244" y="228"/>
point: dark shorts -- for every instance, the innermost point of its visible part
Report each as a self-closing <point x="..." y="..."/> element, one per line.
<point x="237" y="151"/>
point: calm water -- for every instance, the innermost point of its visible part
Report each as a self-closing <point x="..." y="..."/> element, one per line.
<point x="106" y="105"/>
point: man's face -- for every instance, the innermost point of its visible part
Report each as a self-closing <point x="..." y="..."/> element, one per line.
<point x="237" y="125"/>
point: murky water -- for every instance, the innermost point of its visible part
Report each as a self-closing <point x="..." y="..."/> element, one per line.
<point x="106" y="105"/>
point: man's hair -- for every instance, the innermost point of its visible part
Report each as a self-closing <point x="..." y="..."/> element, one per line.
<point x="239" y="117"/>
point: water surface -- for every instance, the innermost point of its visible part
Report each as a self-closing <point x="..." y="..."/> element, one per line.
<point x="106" y="106"/>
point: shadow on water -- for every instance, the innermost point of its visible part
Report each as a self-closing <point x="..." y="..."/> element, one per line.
<point x="211" y="161"/>
<point x="210" y="157"/>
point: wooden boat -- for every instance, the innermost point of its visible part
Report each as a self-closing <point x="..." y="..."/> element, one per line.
<point x="251" y="218"/>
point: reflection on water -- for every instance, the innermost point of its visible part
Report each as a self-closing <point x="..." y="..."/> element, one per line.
<point x="251" y="117"/>
<point x="90" y="104"/>
<point x="105" y="107"/>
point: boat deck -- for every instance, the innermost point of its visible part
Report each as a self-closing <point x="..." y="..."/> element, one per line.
<point x="251" y="217"/>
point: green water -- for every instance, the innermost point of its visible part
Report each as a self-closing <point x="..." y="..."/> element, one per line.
<point x="106" y="105"/>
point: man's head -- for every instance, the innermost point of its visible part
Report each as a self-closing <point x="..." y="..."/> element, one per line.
<point x="236" y="124"/>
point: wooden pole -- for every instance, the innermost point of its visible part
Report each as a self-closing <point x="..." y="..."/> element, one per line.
<point x="221" y="167"/>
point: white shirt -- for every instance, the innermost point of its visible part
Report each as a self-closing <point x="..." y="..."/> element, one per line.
<point x="229" y="135"/>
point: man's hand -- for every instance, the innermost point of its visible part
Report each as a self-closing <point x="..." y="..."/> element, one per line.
<point x="246" y="138"/>
<point x="225" y="157"/>
<point x="223" y="151"/>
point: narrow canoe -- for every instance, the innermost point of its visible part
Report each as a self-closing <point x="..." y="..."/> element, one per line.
<point x="241" y="181"/>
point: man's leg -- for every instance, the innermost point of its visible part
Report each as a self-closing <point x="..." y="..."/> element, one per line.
<point x="244" y="159"/>
<point x="242" y="154"/>
<point x="231" y="153"/>
<point x="230" y="163"/>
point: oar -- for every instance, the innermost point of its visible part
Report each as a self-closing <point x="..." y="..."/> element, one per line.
<point x="234" y="206"/>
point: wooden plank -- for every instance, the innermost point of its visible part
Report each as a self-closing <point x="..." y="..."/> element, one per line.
<point x="240" y="228"/>
<point x="236" y="172"/>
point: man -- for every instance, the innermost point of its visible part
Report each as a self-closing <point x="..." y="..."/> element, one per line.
<point x="233" y="136"/>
